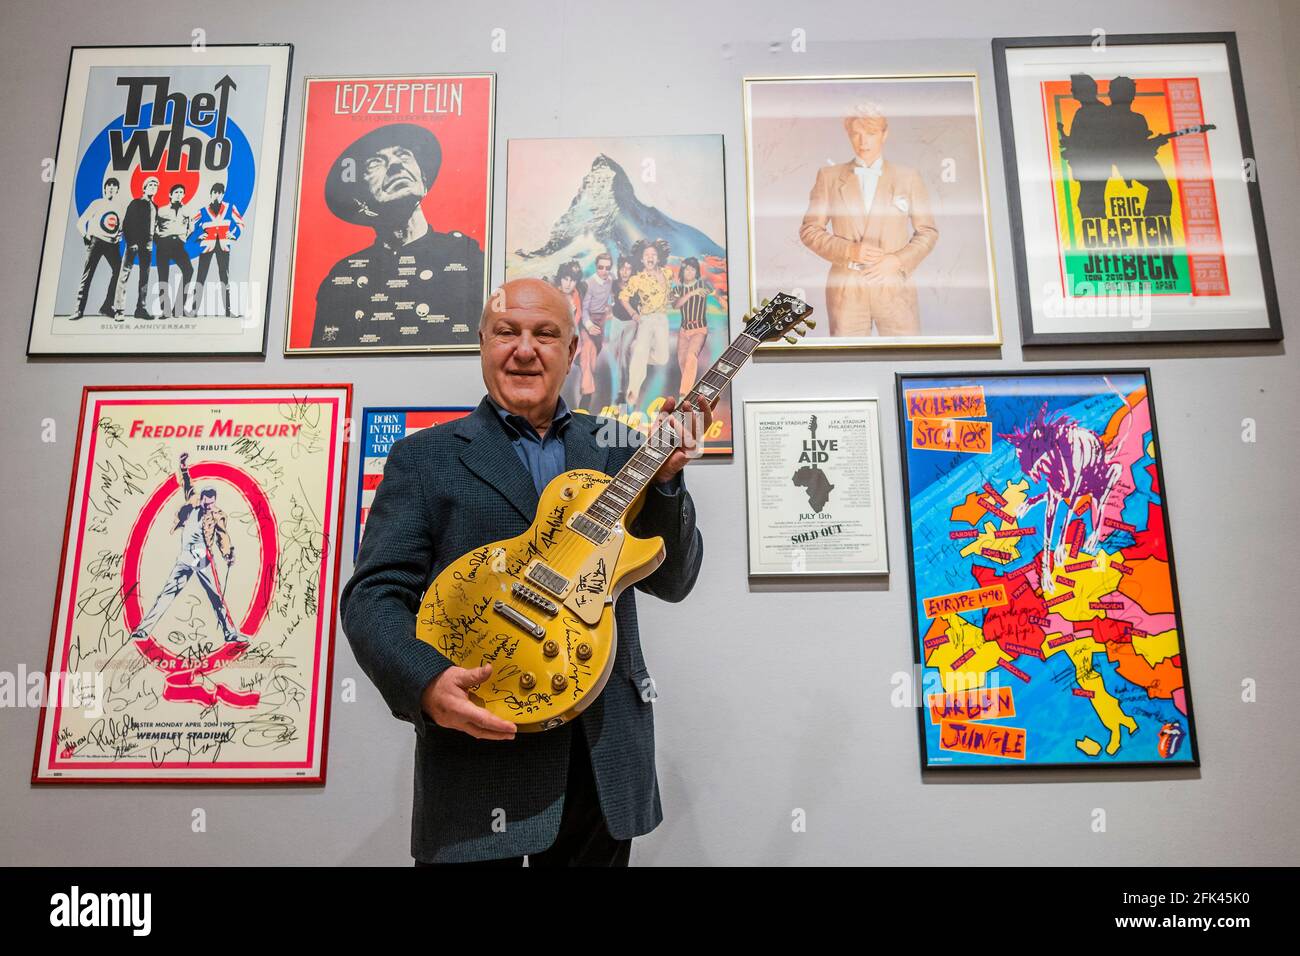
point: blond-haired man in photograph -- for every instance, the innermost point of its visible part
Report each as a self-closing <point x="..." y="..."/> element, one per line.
<point x="870" y="219"/>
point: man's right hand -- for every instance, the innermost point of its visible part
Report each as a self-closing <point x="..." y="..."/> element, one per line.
<point x="446" y="701"/>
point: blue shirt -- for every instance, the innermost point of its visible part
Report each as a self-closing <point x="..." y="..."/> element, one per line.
<point x="543" y="456"/>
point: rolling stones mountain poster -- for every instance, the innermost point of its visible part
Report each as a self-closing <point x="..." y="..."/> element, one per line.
<point x="160" y="232"/>
<point x="633" y="231"/>
<point x="1045" y="607"/>
<point x="1134" y="192"/>
<point x="192" y="639"/>
<point x="394" y="214"/>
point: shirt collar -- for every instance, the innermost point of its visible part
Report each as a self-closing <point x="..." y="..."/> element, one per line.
<point x="518" y="426"/>
<point x="874" y="167"/>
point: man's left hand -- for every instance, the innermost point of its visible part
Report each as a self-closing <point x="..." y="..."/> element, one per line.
<point x="888" y="266"/>
<point x="691" y="446"/>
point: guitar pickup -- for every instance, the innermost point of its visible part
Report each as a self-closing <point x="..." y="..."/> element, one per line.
<point x="590" y="528"/>
<point x="547" y="579"/>
<point x="539" y="601"/>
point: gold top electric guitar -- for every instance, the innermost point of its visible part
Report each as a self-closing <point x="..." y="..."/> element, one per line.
<point x="540" y="607"/>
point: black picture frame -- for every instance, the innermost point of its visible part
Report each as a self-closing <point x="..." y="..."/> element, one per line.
<point x="900" y="380"/>
<point x="273" y="183"/>
<point x="1271" y="332"/>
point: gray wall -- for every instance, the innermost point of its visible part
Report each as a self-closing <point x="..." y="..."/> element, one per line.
<point x="805" y="719"/>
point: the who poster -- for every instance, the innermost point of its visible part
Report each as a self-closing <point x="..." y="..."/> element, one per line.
<point x="633" y="231"/>
<point x="1135" y="190"/>
<point x="381" y="428"/>
<point x="193" y="630"/>
<point x="160" y="230"/>
<point x="1044" y="600"/>
<point x="394" y="214"/>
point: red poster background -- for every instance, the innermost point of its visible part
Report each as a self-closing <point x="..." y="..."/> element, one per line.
<point x="458" y="199"/>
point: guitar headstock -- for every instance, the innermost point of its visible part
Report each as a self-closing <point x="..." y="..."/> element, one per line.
<point x="784" y="316"/>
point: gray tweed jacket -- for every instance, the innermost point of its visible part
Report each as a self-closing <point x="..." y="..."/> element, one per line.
<point x="447" y="490"/>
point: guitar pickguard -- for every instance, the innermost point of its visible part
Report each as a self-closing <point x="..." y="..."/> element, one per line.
<point x="592" y="586"/>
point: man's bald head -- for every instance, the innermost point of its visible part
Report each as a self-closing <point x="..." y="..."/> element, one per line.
<point x="531" y="295"/>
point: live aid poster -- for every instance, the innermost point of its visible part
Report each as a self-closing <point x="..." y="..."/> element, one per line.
<point x="1137" y="194"/>
<point x="1045" y="602"/>
<point x="160" y="229"/>
<point x="633" y="230"/>
<point x="193" y="631"/>
<point x="394" y="214"/>
<point x="381" y="428"/>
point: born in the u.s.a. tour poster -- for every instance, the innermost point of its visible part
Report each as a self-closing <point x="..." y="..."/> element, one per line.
<point x="394" y="214"/>
<point x="161" y="223"/>
<point x="193" y="628"/>
<point x="1135" y="188"/>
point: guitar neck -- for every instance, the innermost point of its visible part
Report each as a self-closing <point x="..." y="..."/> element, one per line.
<point x="633" y="478"/>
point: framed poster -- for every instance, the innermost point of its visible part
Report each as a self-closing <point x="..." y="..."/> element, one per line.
<point x="394" y="214"/>
<point x="193" y="630"/>
<point x="380" y="429"/>
<point x="814" y="488"/>
<point x="634" y="231"/>
<point x="161" y="224"/>
<point x="1044" y="601"/>
<point x="1135" y="207"/>
<point x="867" y="198"/>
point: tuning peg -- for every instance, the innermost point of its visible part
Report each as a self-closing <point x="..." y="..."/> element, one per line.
<point x="811" y="323"/>
<point x="801" y="330"/>
<point x="792" y="339"/>
<point x="765" y="302"/>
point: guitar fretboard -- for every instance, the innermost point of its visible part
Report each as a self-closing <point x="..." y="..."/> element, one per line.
<point x="612" y="503"/>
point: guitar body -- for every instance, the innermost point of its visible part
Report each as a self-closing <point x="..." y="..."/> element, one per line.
<point x="540" y="607"/>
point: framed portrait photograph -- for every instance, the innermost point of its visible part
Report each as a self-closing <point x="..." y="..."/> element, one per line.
<point x="193" y="630"/>
<point x="868" y="199"/>
<point x="381" y="428"/>
<point x="814" y="488"/>
<point x="634" y="231"/>
<point x="1046" y="623"/>
<point x="394" y="217"/>
<point x="161" y="225"/>
<point x="1135" y="206"/>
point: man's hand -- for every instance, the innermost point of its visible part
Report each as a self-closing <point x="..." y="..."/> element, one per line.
<point x="446" y="701"/>
<point x="888" y="266"/>
<point x="692" y="444"/>
<point x="865" y="253"/>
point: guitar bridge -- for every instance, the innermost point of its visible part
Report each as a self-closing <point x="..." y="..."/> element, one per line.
<point x="539" y="601"/>
<point x="514" y="617"/>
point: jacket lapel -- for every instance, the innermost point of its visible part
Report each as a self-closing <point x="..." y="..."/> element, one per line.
<point x="490" y="455"/>
<point x="851" y="200"/>
<point x="881" y="205"/>
<point x="581" y="450"/>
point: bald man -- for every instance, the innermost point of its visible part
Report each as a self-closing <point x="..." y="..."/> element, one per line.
<point x="575" y="795"/>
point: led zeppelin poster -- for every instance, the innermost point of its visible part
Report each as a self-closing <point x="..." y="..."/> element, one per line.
<point x="381" y="428"/>
<point x="193" y="631"/>
<point x="1044" y="600"/>
<point x="1135" y="198"/>
<point x="394" y="214"/>
<point x="160" y="231"/>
